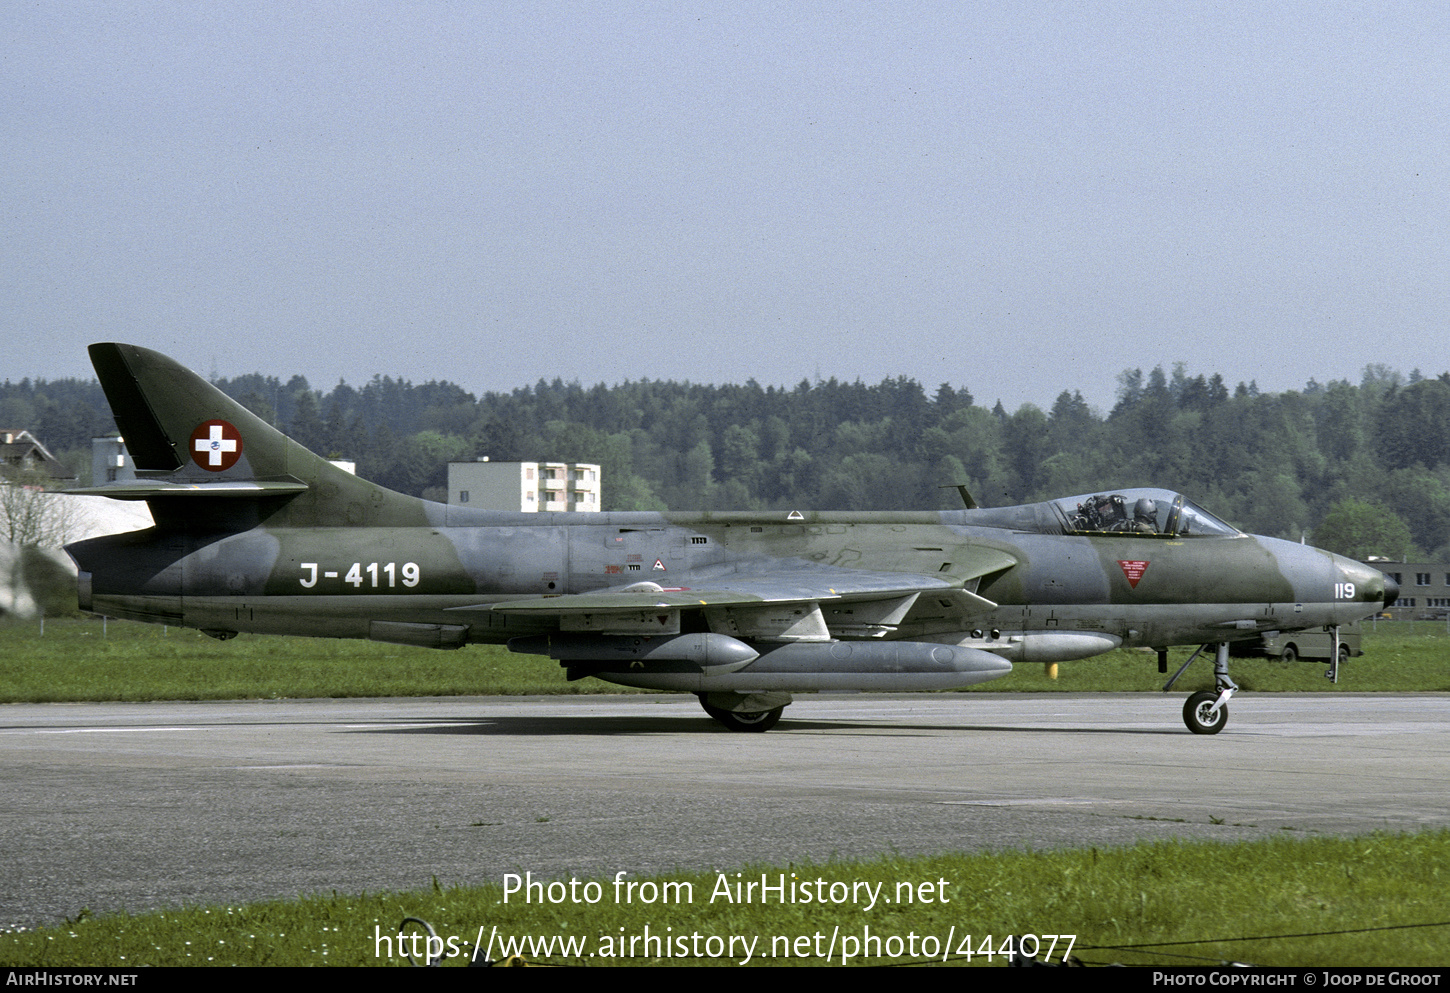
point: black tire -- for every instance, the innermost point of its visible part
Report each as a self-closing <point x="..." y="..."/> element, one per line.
<point x="1344" y="653"/>
<point x="757" y="722"/>
<point x="1290" y="653"/>
<point x="1196" y="716"/>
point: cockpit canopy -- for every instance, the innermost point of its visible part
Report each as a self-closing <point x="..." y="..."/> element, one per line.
<point x="1149" y="513"/>
<point x="1160" y="513"/>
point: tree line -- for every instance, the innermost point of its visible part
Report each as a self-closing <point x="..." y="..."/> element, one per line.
<point x="1331" y="462"/>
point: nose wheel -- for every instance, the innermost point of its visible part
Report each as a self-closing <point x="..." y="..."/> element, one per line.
<point x="1206" y="712"/>
<point x="1201" y="716"/>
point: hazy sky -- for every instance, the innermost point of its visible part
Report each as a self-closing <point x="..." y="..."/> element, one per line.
<point x="1015" y="198"/>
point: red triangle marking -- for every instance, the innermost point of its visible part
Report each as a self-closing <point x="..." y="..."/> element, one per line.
<point x="1133" y="569"/>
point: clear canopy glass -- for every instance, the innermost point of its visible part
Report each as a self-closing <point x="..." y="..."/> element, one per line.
<point x="1150" y="512"/>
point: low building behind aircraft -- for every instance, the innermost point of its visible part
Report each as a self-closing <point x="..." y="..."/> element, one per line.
<point x="531" y="487"/>
<point x="1424" y="589"/>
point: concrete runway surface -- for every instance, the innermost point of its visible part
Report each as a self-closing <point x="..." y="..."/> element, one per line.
<point x="139" y="806"/>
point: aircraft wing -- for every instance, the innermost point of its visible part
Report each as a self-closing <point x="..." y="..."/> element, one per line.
<point x="742" y="590"/>
<point x="778" y="585"/>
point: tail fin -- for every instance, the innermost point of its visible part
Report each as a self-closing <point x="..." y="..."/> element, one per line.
<point x="191" y="442"/>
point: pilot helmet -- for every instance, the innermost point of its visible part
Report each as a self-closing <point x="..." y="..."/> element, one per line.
<point x="1145" y="509"/>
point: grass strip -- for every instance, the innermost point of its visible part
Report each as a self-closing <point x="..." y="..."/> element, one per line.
<point x="87" y="660"/>
<point x="84" y="659"/>
<point x="1368" y="901"/>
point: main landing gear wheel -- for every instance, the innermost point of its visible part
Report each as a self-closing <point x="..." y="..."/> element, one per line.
<point x="1199" y="715"/>
<point x="756" y="721"/>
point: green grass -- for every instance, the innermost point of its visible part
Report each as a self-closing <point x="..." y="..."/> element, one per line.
<point x="1370" y="901"/>
<point x="82" y="659"/>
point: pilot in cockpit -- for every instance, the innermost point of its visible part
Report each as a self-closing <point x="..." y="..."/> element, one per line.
<point x="1145" y="516"/>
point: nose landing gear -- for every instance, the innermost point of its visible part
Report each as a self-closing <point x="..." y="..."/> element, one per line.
<point x="1206" y="712"/>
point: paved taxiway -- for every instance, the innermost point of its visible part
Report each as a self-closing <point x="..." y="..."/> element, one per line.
<point x="135" y="806"/>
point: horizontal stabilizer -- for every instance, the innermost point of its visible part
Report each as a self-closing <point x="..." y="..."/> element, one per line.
<point x="148" y="489"/>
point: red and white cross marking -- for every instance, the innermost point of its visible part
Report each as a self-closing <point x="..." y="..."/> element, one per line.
<point x="216" y="445"/>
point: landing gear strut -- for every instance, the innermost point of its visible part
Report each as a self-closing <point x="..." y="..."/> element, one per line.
<point x="1207" y="712"/>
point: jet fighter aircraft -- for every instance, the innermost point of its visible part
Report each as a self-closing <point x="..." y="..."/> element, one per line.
<point x="255" y="533"/>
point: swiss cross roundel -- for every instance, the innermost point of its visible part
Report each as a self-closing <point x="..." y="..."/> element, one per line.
<point x="216" y="445"/>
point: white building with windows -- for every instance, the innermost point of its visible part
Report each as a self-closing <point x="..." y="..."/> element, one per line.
<point x="526" y="486"/>
<point x="110" y="462"/>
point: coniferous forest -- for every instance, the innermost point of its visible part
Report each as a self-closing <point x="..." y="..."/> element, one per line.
<point x="1361" y="468"/>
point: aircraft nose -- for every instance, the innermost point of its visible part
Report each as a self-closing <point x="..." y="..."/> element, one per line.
<point x="1392" y="589"/>
<point x="1368" y="583"/>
